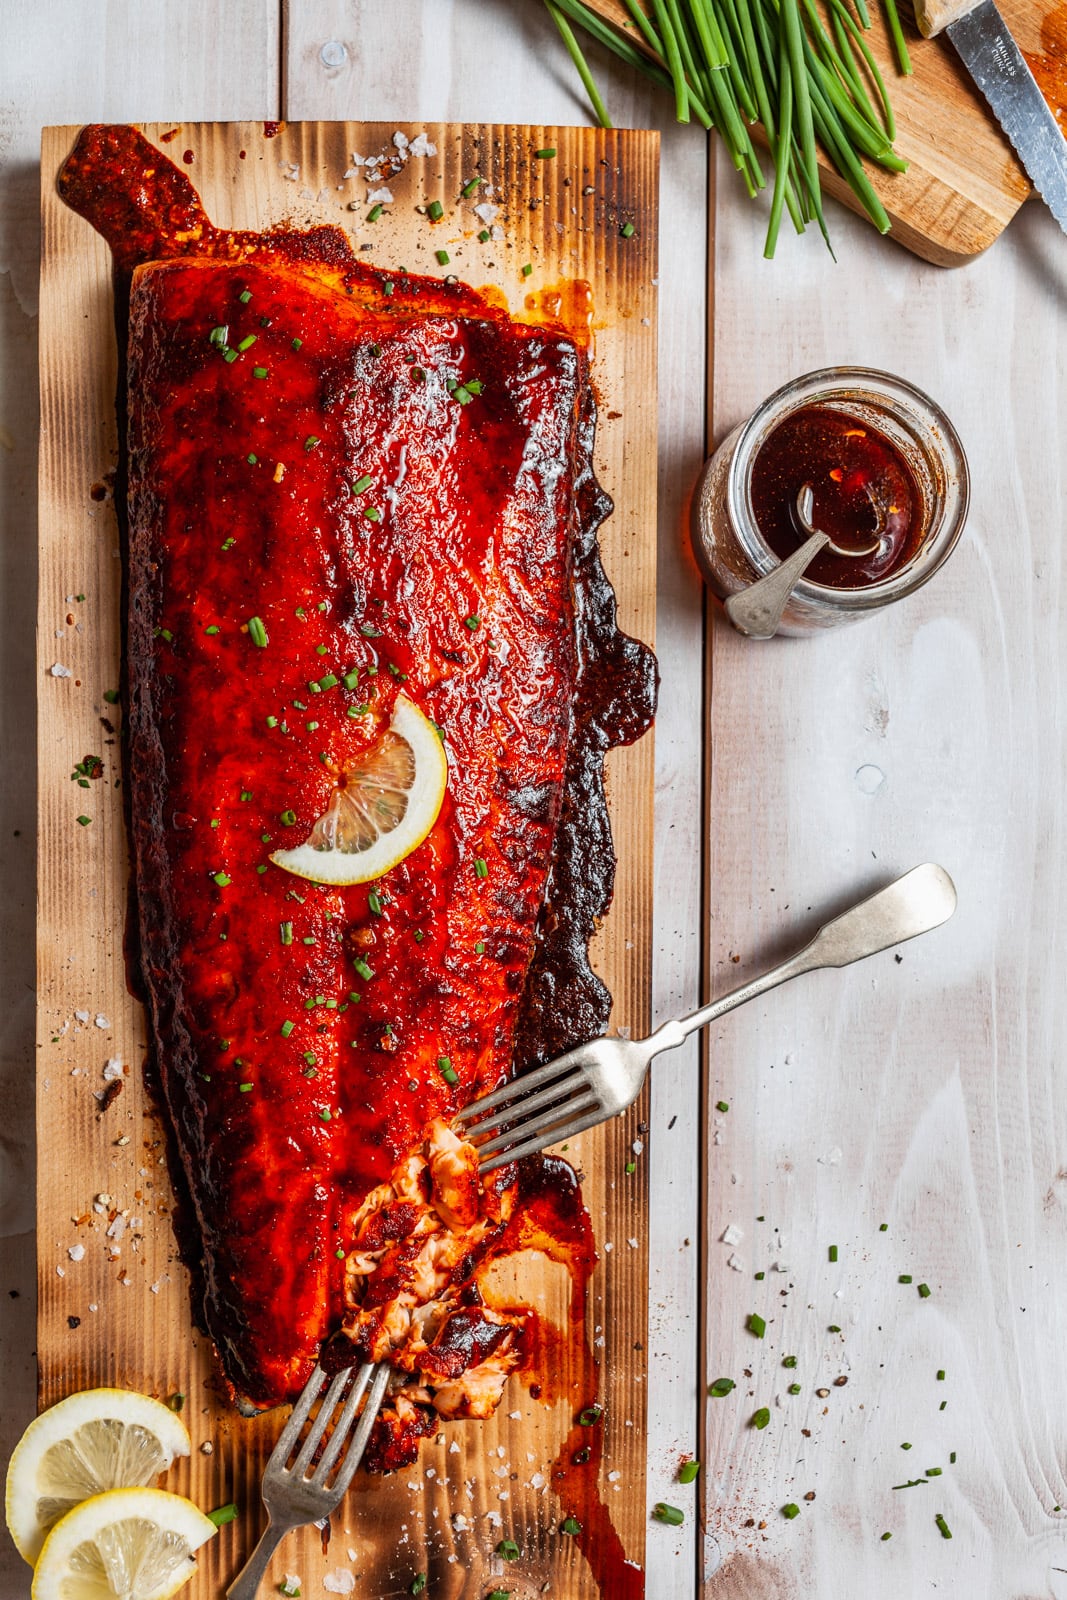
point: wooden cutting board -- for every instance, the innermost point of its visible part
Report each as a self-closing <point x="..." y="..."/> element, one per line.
<point x="964" y="182"/>
<point x="113" y="1298"/>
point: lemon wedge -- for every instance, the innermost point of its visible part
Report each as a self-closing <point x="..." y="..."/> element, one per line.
<point x="99" y="1439"/>
<point x="384" y="806"/>
<point x="127" y="1544"/>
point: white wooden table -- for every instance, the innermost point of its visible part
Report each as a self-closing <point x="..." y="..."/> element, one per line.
<point x="923" y="1094"/>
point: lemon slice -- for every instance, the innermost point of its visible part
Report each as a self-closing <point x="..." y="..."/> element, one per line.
<point x="127" y="1544"/>
<point x="382" y="808"/>
<point x="99" y="1439"/>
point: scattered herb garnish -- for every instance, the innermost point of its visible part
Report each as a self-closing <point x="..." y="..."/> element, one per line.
<point x="671" y="1515"/>
<point x="570" y="1526"/>
<point x="761" y="1418"/>
<point x="688" y="1471"/>
<point x="224" y="1514"/>
<point x="508" y="1550"/>
<point x="257" y="632"/>
<point x="943" y="1527"/>
<point x="790" y="1511"/>
<point x="721" y="1387"/>
<point x="756" y="1324"/>
<point x="435" y="210"/>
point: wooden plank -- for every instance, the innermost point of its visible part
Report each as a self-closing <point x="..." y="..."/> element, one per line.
<point x="503" y="60"/>
<point x="964" y="183"/>
<point x="927" y="1095"/>
<point x="498" y="1477"/>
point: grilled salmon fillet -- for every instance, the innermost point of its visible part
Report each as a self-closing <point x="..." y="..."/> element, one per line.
<point x="344" y="487"/>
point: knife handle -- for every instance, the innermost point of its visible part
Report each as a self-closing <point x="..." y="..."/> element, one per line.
<point x="934" y="15"/>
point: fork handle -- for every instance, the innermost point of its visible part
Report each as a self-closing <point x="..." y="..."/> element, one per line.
<point x="922" y="899"/>
<point x="246" y="1584"/>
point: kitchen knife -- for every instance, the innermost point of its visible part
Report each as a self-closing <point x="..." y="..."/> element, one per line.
<point x="997" y="66"/>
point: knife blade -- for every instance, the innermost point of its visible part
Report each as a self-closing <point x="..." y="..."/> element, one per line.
<point x="998" y="67"/>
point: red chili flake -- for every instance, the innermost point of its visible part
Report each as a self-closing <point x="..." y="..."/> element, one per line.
<point x="110" y="1095"/>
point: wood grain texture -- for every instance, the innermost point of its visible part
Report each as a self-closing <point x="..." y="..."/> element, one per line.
<point x="964" y="183"/>
<point x="128" y="1292"/>
<point x="927" y="1095"/>
<point x="501" y="59"/>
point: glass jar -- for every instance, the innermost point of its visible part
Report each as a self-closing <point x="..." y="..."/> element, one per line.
<point x="727" y="541"/>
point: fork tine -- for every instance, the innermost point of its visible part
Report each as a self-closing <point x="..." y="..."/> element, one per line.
<point x="519" y="1086"/>
<point x="543" y="1127"/>
<point x="318" y="1427"/>
<point x="344" y="1422"/>
<point x="297" y="1417"/>
<point x="541" y="1141"/>
<point x="368" y="1417"/>
<point x="563" y="1089"/>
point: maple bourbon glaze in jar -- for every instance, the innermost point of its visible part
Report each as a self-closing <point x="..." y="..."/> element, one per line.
<point x="883" y="460"/>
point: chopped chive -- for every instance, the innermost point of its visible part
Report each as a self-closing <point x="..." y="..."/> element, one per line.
<point x="443" y="257"/>
<point x="351" y="679"/>
<point x="933" y="1472"/>
<point x="311" y="441"/>
<point x="479" y="948"/>
<point x="224" y="1514"/>
<point x="756" y="1324"/>
<point x="435" y="210"/>
<point x="374" y="213"/>
<point x="447" y="1070"/>
<point x="544" y="155"/>
<point x="252" y="459"/>
<point x="365" y="971"/>
<point x="688" y="1471"/>
<point x="111" y="696"/>
<point x="257" y="632"/>
<point x="940" y="1374"/>
<point x="326" y="1114"/>
<point x="272" y="722"/>
<point x="473" y="622"/>
<point x="296" y="343"/>
<point x="310" y="1057"/>
<point x="794" y="1388"/>
<point x="480" y="868"/>
<point x="229" y="356"/>
<point x="245" y="296"/>
<point x="630" y="1168"/>
<point x="627" y="230"/>
<point x="472" y="187"/>
<point x="527" y="269"/>
<point x="223" y="879"/>
<point x="362" y="483"/>
<point x="590" y="1416"/>
<point x="329" y="681"/>
<point x="943" y="1527"/>
<point x="906" y="1445"/>
<point x="245" y="1088"/>
<point x="473" y="386"/>
<point x="789" y="1361"/>
<point x="790" y="1511"/>
<point x="374" y="903"/>
<point x="259" y="372"/>
<point x="722" y="1105"/>
<point x="760" y="1418"/>
<point x="571" y="1526"/>
<point x="952" y="1463"/>
<point x="671" y="1515"/>
<point x="85" y="821"/>
<point x="419" y="936"/>
<point x="721" y="1387"/>
<point x="247" y="342"/>
<point x="925" y="1291"/>
<point x="508" y="1550"/>
<point x="886" y="1536"/>
<point x="388" y="286"/>
<point x="418" y="1583"/>
<point x="904" y="1277"/>
<point x="288" y="818"/>
<point x="220" y="336"/>
<point x="484" y="236"/>
<point x="228" y="544"/>
<point x="833" y="1252"/>
<point x="372" y="514"/>
<point x="883" y="1227"/>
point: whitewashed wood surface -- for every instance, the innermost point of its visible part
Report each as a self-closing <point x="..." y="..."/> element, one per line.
<point x="935" y="731"/>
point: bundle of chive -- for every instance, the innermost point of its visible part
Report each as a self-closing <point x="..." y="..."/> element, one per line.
<point x="803" y="74"/>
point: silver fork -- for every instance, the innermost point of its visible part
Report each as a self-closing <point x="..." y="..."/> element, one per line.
<point x="292" y="1493"/>
<point x="597" y="1080"/>
<point x="586" y="1086"/>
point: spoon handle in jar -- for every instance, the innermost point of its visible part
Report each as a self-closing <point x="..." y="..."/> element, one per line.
<point x="757" y="610"/>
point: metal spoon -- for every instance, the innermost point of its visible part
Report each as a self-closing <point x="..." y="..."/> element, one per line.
<point x="757" y="610"/>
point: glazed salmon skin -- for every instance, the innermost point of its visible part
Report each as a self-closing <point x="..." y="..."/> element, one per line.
<point x="317" y="525"/>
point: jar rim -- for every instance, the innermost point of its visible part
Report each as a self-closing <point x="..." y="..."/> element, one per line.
<point x="932" y="432"/>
